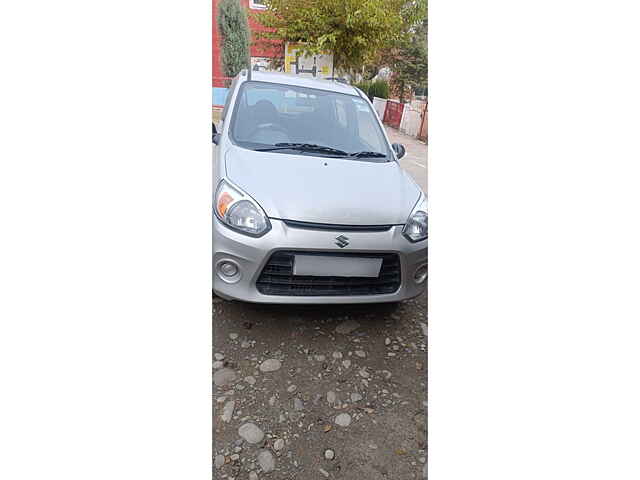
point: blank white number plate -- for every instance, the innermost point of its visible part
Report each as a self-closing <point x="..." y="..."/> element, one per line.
<point x="319" y="266"/>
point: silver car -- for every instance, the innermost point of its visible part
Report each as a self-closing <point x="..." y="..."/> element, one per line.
<point x="310" y="203"/>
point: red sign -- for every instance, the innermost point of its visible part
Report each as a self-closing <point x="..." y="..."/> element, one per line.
<point x="393" y="113"/>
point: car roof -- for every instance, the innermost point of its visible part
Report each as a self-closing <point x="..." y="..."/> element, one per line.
<point x="297" y="80"/>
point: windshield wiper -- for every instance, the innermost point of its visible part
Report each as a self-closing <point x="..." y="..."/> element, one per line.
<point x="367" y="155"/>
<point x="304" y="147"/>
<point x="311" y="147"/>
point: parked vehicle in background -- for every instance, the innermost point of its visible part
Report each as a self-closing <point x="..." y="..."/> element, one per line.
<point x="310" y="203"/>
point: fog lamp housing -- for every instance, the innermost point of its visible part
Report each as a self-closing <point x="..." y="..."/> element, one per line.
<point x="228" y="271"/>
<point x="420" y="274"/>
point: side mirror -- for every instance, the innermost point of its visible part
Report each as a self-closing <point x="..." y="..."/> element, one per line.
<point x="215" y="136"/>
<point x="399" y="149"/>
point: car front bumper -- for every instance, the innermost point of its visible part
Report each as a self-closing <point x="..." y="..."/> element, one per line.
<point x="251" y="254"/>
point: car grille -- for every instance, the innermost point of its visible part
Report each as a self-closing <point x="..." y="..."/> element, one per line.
<point x="277" y="277"/>
<point x="337" y="228"/>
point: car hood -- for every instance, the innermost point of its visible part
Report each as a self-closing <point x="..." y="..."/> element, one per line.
<point x="324" y="190"/>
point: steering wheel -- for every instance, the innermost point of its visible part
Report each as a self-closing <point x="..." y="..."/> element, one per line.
<point x="270" y="126"/>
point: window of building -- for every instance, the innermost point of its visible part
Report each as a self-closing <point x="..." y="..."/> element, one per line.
<point x="257" y="4"/>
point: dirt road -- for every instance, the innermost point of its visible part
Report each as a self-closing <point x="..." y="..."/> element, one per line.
<point x="327" y="392"/>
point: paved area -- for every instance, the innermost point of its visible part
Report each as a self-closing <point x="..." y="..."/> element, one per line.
<point x="415" y="160"/>
<point x="322" y="392"/>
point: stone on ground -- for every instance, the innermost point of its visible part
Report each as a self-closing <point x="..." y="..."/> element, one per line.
<point x="344" y="420"/>
<point x="251" y="433"/>
<point x="347" y="327"/>
<point x="266" y="461"/>
<point x="224" y="377"/>
<point x="270" y="365"/>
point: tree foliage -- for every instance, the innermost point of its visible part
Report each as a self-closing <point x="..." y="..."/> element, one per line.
<point x="378" y="88"/>
<point x="234" y="29"/>
<point x="355" y="31"/>
<point x="408" y="61"/>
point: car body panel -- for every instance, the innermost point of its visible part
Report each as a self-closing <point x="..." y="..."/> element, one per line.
<point x="251" y="255"/>
<point x="323" y="190"/>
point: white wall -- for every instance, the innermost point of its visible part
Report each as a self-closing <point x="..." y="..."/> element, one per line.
<point x="411" y="120"/>
<point x="379" y="104"/>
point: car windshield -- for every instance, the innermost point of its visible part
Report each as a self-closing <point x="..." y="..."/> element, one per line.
<point x="285" y="118"/>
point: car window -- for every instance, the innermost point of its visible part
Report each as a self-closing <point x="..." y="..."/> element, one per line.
<point x="254" y="95"/>
<point x="269" y="113"/>
<point x="341" y="113"/>
<point x="368" y="127"/>
<point x="299" y="102"/>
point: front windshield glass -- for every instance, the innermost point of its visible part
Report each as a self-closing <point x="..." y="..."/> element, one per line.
<point x="268" y="115"/>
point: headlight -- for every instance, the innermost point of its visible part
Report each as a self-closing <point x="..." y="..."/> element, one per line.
<point x="239" y="211"/>
<point x="416" y="227"/>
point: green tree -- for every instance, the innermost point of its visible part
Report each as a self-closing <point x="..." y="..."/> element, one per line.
<point x="234" y="30"/>
<point x="408" y="60"/>
<point x="354" y="31"/>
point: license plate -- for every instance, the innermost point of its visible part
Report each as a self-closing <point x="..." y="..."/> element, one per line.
<point x="319" y="266"/>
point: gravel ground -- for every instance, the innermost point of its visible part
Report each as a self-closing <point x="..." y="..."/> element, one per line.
<point x="317" y="392"/>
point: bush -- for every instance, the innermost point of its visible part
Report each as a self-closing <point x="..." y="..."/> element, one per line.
<point x="379" y="89"/>
<point x="364" y="86"/>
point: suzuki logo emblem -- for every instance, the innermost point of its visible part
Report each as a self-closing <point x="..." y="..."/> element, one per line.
<point x="342" y="241"/>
